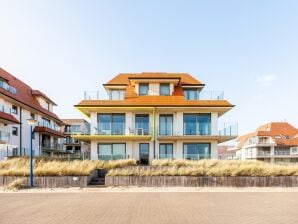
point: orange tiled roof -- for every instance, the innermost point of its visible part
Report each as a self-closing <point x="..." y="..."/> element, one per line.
<point x="287" y="132"/>
<point x="123" y="78"/>
<point x="24" y="94"/>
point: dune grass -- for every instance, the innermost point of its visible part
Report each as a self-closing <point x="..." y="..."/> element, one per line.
<point x="215" y="168"/>
<point x="48" y="167"/>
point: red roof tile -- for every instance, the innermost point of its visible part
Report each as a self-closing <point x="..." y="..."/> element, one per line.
<point x="24" y="94"/>
<point x="4" y="117"/>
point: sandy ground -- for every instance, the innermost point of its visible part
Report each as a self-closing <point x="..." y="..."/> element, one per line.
<point x="147" y="189"/>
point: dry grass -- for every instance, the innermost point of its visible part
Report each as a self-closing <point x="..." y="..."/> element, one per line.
<point x="207" y="168"/>
<point x="47" y="167"/>
<point x="17" y="184"/>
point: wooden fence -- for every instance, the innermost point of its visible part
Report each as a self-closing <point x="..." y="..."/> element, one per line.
<point x="49" y="182"/>
<point x="186" y="181"/>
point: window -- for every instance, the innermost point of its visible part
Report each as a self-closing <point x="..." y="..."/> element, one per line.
<point x="109" y="151"/>
<point x="32" y="116"/>
<point x="165" y="124"/>
<point x="15" y="131"/>
<point x="14" y="109"/>
<point x="197" y="124"/>
<point x="164" y="89"/>
<point x="47" y="105"/>
<point x="111" y="124"/>
<point x="196" y="151"/>
<point x="191" y="94"/>
<point x="165" y="150"/>
<point x="117" y="94"/>
<point x="143" y="89"/>
<point x="142" y="124"/>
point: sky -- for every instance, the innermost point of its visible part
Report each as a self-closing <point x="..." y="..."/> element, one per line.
<point x="248" y="49"/>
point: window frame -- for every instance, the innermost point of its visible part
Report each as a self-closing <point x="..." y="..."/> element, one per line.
<point x="197" y="131"/>
<point x="197" y="143"/>
<point x="166" y="131"/>
<point x="166" y="150"/>
<point x="112" y="147"/>
<point x="143" y="85"/>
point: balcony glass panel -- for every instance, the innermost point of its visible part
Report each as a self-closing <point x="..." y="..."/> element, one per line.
<point x="111" y="124"/>
<point x="197" y="124"/>
<point x="196" y="151"/>
<point x="166" y="124"/>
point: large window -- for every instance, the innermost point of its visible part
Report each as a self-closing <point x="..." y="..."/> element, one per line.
<point x="164" y="89"/>
<point x="197" y="124"/>
<point x="111" y="124"/>
<point x="191" y="94"/>
<point x="166" y="124"/>
<point x="142" y="124"/>
<point x="196" y="151"/>
<point x="143" y="89"/>
<point x="117" y="94"/>
<point x="165" y="150"/>
<point x="109" y="151"/>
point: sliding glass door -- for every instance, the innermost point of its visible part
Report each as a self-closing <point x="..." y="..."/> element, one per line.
<point x="142" y="124"/>
<point x="111" y="124"/>
<point x="196" y="151"/>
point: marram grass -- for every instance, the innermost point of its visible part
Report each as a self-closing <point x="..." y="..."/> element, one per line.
<point x="214" y="168"/>
<point x="47" y="167"/>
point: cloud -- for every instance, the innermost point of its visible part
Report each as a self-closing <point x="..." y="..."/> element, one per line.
<point x="266" y="81"/>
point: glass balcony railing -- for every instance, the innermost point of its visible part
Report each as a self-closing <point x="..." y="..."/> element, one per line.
<point x="52" y="146"/>
<point x="8" y="88"/>
<point x="228" y="129"/>
<point x="107" y="157"/>
<point x="185" y="156"/>
<point x="48" y="125"/>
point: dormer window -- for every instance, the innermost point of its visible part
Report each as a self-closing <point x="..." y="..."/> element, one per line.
<point x="47" y="105"/>
<point x="117" y="94"/>
<point x="143" y="89"/>
<point x="191" y="94"/>
<point x="164" y="89"/>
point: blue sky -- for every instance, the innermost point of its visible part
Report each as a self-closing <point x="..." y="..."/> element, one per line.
<point x="248" y="49"/>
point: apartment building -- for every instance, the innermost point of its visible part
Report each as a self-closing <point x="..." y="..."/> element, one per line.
<point x="275" y="142"/>
<point x="154" y="115"/>
<point x="75" y="148"/>
<point x="18" y="103"/>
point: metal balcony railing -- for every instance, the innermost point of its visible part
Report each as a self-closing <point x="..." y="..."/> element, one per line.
<point x="5" y="109"/>
<point x="52" y="146"/>
<point x="47" y="125"/>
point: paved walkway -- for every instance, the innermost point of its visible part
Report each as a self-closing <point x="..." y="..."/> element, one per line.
<point x="151" y="208"/>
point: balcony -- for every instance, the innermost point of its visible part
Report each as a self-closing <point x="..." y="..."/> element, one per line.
<point x="191" y="94"/>
<point x="185" y="156"/>
<point x="48" y="129"/>
<point x="8" y="88"/>
<point x="71" y="141"/>
<point x="4" y="137"/>
<point x="107" y="157"/>
<point x="203" y="132"/>
<point x="52" y="147"/>
<point x="113" y="134"/>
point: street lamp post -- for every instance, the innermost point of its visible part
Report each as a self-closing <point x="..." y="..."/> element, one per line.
<point x="31" y="122"/>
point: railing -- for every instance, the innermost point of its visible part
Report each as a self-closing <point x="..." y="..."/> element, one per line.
<point x="47" y="125"/>
<point x="200" y="129"/>
<point x="4" y="136"/>
<point x="54" y="146"/>
<point x="74" y="130"/>
<point x="228" y="129"/>
<point x="7" y="87"/>
<point x="282" y="153"/>
<point x="211" y="95"/>
<point x="5" y="109"/>
<point x="70" y="141"/>
<point x="96" y="95"/>
<point x="264" y="153"/>
<point x="107" y="157"/>
<point x="184" y="156"/>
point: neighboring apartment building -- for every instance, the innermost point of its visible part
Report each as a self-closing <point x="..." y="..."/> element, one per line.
<point x="18" y="103"/>
<point x="155" y="115"/>
<point x="75" y="148"/>
<point x="276" y="142"/>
